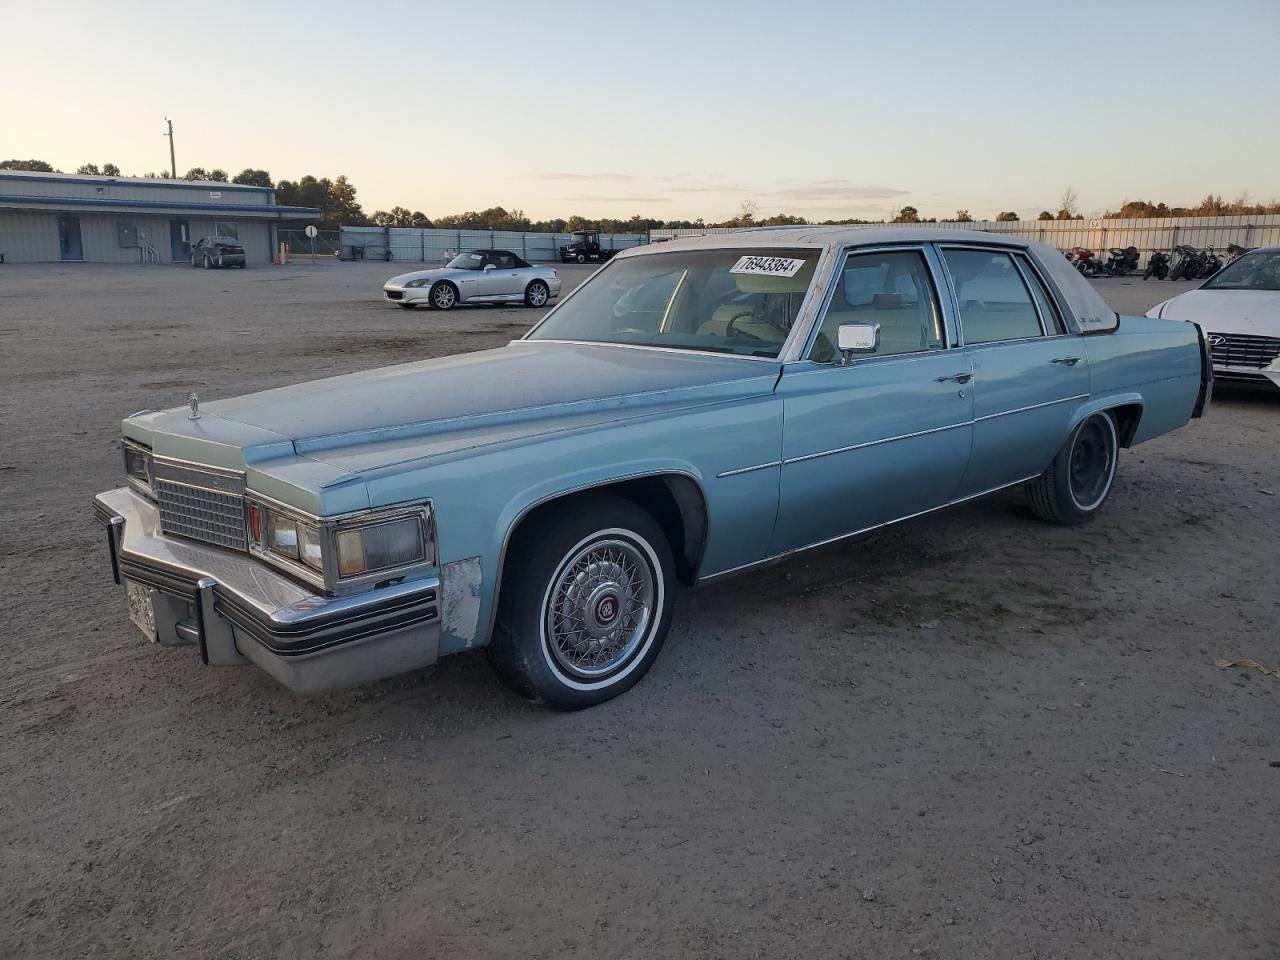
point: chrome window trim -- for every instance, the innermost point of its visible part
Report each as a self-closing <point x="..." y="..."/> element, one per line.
<point x="1027" y="265"/>
<point x="1009" y="251"/>
<point x="649" y="346"/>
<point x="821" y="268"/>
<point x="841" y="254"/>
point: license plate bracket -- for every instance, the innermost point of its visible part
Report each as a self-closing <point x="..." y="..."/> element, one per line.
<point x="141" y="610"/>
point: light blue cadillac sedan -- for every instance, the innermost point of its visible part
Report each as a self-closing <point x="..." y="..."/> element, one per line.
<point x="693" y="410"/>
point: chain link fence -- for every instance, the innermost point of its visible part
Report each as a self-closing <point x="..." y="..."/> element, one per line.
<point x="327" y="243"/>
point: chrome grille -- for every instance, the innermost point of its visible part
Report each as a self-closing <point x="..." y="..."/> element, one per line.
<point x="1243" y="350"/>
<point x="202" y="503"/>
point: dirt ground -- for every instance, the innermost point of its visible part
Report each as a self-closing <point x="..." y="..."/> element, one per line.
<point x="973" y="735"/>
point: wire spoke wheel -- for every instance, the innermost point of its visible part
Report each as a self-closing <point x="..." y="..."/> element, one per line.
<point x="600" y="608"/>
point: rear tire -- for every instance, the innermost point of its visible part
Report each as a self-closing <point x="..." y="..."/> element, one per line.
<point x="1079" y="480"/>
<point x="585" y="604"/>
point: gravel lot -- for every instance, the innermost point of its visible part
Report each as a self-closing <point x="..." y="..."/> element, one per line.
<point x="973" y="735"/>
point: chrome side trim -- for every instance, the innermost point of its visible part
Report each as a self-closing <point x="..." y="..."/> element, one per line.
<point x="875" y="443"/>
<point x="758" y="466"/>
<point x="919" y="433"/>
<point x="1034" y="406"/>
<point x="778" y="557"/>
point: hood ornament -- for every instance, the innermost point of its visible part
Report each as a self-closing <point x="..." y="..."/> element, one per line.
<point x="193" y="402"/>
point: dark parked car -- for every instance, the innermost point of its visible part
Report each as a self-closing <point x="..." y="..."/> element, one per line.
<point x="217" y="252"/>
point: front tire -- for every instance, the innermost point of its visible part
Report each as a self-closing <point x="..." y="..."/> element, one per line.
<point x="581" y="258"/>
<point x="536" y="294"/>
<point x="586" y="603"/>
<point x="444" y="296"/>
<point x="1079" y="480"/>
<point x="206" y="264"/>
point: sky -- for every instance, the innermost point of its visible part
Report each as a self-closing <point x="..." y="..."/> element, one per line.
<point x="670" y="110"/>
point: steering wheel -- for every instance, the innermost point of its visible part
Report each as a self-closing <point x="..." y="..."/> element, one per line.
<point x="730" y="332"/>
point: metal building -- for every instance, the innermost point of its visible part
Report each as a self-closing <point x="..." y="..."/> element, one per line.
<point x="53" y="216"/>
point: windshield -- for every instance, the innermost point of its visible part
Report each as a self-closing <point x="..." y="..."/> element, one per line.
<point x="467" y="261"/>
<point x="740" y="301"/>
<point x="1253" y="271"/>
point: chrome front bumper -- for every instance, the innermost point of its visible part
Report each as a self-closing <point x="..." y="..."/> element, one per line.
<point x="238" y="610"/>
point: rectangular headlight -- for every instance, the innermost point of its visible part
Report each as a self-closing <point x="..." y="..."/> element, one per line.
<point x="380" y="546"/>
<point x="137" y="464"/>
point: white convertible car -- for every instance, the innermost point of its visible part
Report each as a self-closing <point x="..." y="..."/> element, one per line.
<point x="477" y="276"/>
<point x="1239" y="309"/>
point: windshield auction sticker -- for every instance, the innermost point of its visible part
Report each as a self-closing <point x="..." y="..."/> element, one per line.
<point x="768" y="266"/>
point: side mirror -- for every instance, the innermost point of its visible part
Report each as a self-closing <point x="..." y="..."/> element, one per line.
<point x="489" y="266"/>
<point x="854" y="338"/>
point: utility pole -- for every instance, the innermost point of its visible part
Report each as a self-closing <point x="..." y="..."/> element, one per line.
<point x="173" y="164"/>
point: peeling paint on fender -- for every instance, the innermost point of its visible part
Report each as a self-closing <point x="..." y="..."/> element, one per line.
<point x="460" y="600"/>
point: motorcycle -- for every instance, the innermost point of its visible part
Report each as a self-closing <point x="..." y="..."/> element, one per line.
<point x="1212" y="263"/>
<point x="1157" y="266"/>
<point x="1083" y="259"/>
<point x="1122" y="262"/>
<point x="1187" y="263"/>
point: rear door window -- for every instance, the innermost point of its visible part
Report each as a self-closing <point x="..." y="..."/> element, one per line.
<point x="995" y="303"/>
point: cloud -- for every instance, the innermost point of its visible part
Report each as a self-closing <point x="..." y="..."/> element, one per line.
<point x="582" y="177"/>
<point x="834" y="191"/>
<point x="600" y="198"/>
<point x="709" y="188"/>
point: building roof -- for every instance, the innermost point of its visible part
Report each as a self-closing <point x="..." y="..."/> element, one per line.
<point x="37" y="176"/>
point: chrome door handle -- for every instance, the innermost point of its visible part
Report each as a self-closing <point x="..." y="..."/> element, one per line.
<point x="1069" y="361"/>
<point x="956" y="378"/>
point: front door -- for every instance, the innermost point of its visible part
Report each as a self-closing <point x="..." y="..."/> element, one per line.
<point x="1029" y="373"/>
<point x="69" y="238"/>
<point x="179" y="241"/>
<point x="504" y="280"/>
<point x="888" y="435"/>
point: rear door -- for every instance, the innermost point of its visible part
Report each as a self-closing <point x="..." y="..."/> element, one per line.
<point x="887" y="435"/>
<point x="1029" y="372"/>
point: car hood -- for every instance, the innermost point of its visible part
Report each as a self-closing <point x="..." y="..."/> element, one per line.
<point x="329" y="434"/>
<point x="438" y="273"/>
<point x="1254" y="312"/>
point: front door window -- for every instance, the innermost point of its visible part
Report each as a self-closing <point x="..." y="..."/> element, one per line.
<point x="892" y="289"/>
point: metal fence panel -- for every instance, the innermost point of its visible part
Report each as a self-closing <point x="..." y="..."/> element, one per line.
<point x="434" y="245"/>
<point x="1148" y="235"/>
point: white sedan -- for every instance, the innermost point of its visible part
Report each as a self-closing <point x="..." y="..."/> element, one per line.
<point x="477" y="276"/>
<point x="1239" y="310"/>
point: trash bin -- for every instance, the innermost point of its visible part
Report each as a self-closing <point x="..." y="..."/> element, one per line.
<point x="357" y="253"/>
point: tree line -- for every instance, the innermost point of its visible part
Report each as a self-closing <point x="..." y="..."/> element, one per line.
<point x="337" y="203"/>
